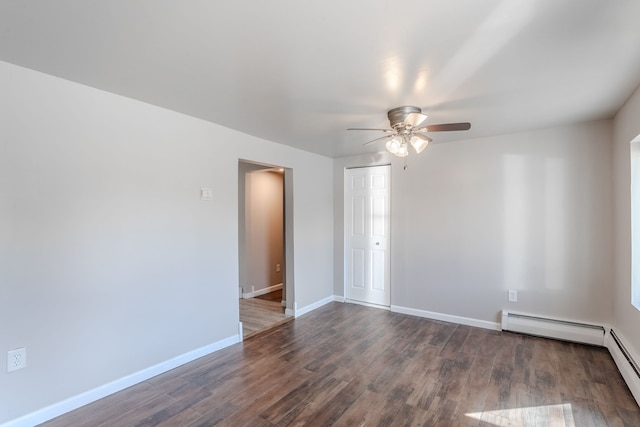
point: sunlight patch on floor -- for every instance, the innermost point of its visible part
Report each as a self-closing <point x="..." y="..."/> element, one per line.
<point x="547" y="415"/>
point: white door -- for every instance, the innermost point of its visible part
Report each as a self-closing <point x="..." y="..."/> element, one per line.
<point x="367" y="193"/>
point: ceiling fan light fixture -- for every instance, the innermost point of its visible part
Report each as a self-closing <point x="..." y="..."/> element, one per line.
<point x="403" y="151"/>
<point x="398" y="146"/>
<point x="394" y="144"/>
<point x="419" y="142"/>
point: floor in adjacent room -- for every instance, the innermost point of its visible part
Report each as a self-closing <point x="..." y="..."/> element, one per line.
<point x="346" y="365"/>
<point x="261" y="313"/>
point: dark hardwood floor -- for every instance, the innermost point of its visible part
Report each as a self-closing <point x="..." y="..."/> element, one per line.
<point x="272" y="296"/>
<point x="349" y="365"/>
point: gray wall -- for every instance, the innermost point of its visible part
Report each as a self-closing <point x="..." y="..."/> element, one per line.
<point x="471" y="219"/>
<point x="109" y="261"/>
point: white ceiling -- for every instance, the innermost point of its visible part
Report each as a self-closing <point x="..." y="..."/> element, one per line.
<point x="300" y="72"/>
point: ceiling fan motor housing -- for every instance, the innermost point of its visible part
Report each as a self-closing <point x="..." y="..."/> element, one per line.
<point x="399" y="114"/>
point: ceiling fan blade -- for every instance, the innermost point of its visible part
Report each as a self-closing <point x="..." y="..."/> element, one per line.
<point x="383" y="130"/>
<point x="414" y="119"/>
<point x="422" y="136"/>
<point x="378" y="139"/>
<point x="446" y="127"/>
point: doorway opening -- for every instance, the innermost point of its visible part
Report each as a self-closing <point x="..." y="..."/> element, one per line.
<point x="265" y="246"/>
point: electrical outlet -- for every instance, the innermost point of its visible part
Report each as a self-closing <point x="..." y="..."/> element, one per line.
<point x="513" y="296"/>
<point x="16" y="359"/>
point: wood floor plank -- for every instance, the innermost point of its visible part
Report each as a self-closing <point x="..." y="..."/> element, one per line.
<point x="153" y="412"/>
<point x="101" y="410"/>
<point x="335" y="407"/>
<point x="456" y="341"/>
<point x="291" y="405"/>
<point x="410" y="416"/>
<point x="454" y="376"/>
<point x="181" y="419"/>
<point x="370" y="408"/>
<point x="344" y="364"/>
<point x="315" y="402"/>
<point x="214" y="413"/>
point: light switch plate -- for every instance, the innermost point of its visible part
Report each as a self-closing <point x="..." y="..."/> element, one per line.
<point x="206" y="194"/>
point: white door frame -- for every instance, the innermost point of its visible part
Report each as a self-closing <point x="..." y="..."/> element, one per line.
<point x="288" y="261"/>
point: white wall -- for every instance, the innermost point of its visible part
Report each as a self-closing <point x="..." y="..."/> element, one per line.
<point x="473" y="218"/>
<point x="626" y="126"/>
<point x="109" y="261"/>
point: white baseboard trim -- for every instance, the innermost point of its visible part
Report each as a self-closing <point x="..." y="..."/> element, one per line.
<point x="263" y="291"/>
<point x="67" y="405"/>
<point x="338" y="298"/>
<point x="311" y="307"/>
<point x="446" y="317"/>
<point x="624" y="366"/>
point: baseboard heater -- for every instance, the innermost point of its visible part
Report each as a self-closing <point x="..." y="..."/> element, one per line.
<point x="553" y="328"/>
<point x="625" y="353"/>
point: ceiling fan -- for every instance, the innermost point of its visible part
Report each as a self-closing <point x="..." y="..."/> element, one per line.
<point x="407" y="129"/>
